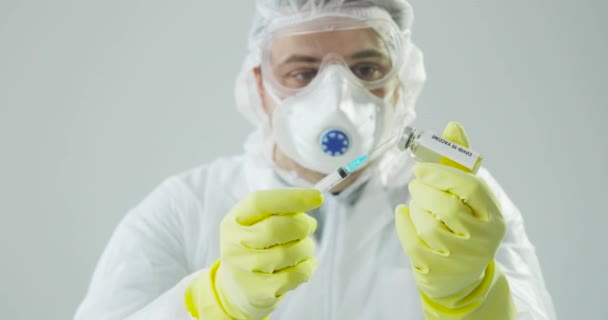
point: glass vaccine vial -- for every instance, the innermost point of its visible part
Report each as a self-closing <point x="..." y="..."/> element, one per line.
<point x="427" y="146"/>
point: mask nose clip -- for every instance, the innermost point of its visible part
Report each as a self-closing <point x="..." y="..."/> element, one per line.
<point x="333" y="59"/>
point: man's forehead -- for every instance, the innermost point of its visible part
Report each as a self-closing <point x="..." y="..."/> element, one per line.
<point x="348" y="43"/>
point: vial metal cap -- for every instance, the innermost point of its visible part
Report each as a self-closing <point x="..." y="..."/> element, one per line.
<point x="406" y="138"/>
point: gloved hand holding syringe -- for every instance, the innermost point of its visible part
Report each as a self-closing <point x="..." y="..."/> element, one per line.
<point x="425" y="146"/>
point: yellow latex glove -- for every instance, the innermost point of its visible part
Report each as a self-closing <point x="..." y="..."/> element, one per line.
<point x="266" y="251"/>
<point x="451" y="232"/>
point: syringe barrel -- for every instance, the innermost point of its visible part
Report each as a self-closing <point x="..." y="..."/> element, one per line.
<point x="330" y="181"/>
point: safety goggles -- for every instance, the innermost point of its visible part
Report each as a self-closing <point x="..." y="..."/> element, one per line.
<point x="294" y="54"/>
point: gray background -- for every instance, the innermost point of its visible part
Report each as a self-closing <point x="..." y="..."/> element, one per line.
<point x="101" y="100"/>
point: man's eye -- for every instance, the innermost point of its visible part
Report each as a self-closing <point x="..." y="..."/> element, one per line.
<point x="306" y="75"/>
<point x="300" y="78"/>
<point x="367" y="72"/>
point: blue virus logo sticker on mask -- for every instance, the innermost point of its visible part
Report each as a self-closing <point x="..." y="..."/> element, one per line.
<point x="335" y="143"/>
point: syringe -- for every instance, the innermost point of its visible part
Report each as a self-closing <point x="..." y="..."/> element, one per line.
<point x="334" y="178"/>
<point x="343" y="172"/>
<point x="425" y="146"/>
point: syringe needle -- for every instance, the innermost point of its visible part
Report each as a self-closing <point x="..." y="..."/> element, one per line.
<point x="380" y="148"/>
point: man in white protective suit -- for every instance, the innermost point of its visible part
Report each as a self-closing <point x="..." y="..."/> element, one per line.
<point x="249" y="237"/>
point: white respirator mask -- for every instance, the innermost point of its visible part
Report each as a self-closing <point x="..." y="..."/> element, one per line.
<point x="331" y="122"/>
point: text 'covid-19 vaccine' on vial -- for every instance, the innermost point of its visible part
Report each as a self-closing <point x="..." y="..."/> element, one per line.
<point x="427" y="146"/>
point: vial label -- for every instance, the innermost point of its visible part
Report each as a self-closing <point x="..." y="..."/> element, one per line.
<point x="450" y="150"/>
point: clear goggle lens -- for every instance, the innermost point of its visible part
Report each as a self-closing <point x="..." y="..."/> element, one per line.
<point x="295" y="55"/>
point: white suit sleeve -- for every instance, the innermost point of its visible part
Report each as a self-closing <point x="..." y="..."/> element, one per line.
<point x="143" y="271"/>
<point x="517" y="259"/>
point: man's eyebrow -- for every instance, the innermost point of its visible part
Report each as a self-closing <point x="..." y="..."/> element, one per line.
<point x="371" y="53"/>
<point x="300" y="58"/>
